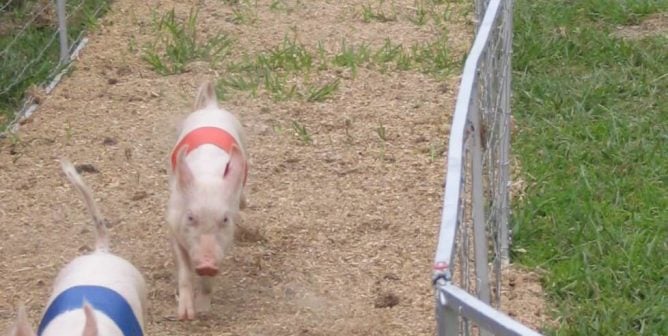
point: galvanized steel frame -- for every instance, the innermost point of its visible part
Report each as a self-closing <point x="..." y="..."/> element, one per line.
<point x="476" y="198"/>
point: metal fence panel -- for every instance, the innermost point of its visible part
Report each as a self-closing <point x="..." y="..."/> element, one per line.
<point x="474" y="223"/>
<point x="460" y="301"/>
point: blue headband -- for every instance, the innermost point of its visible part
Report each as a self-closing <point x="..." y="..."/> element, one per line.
<point x="102" y="299"/>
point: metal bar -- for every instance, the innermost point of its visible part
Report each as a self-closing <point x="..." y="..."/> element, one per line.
<point x="447" y="319"/>
<point x="451" y="199"/>
<point x="480" y="240"/>
<point x="465" y="239"/>
<point x="62" y="30"/>
<point x="504" y="156"/>
<point x="484" y="316"/>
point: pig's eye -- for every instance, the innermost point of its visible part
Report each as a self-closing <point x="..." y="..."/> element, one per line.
<point x="224" y="222"/>
<point x="191" y="218"/>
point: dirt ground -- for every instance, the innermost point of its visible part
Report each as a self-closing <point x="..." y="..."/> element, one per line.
<point x="653" y="25"/>
<point x="340" y="233"/>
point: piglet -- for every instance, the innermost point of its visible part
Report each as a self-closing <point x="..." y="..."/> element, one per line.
<point x="95" y="294"/>
<point x="207" y="178"/>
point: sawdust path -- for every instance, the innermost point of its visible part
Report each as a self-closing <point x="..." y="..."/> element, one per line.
<point x="344" y="224"/>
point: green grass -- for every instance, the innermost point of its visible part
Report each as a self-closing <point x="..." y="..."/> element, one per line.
<point x="29" y="58"/>
<point x="381" y="131"/>
<point x="592" y="115"/>
<point x="291" y="70"/>
<point x="277" y="70"/>
<point x="352" y="56"/>
<point x="279" y="86"/>
<point x="393" y="53"/>
<point x="244" y="12"/>
<point x="285" y="6"/>
<point x="290" y="56"/>
<point x="433" y="57"/>
<point x="321" y="93"/>
<point x="420" y="14"/>
<point x="177" y="44"/>
<point x="240" y="82"/>
<point x="375" y="12"/>
<point x="301" y="132"/>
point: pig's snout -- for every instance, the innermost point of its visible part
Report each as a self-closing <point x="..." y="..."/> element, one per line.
<point x="208" y="269"/>
<point x="207" y="265"/>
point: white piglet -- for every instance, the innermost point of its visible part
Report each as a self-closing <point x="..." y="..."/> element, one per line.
<point x="95" y="294"/>
<point x="207" y="177"/>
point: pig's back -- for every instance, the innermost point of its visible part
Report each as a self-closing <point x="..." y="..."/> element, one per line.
<point x="215" y="117"/>
<point x="106" y="270"/>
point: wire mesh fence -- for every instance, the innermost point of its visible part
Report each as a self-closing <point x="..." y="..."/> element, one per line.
<point x="474" y="238"/>
<point x="37" y="40"/>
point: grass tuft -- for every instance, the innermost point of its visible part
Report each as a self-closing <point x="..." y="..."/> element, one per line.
<point x="240" y="82"/>
<point x="276" y="70"/>
<point x="285" y="6"/>
<point x="420" y="14"/>
<point x="369" y="13"/>
<point x="433" y="57"/>
<point x="318" y="94"/>
<point x="381" y="132"/>
<point x="301" y="132"/>
<point x="244" y="12"/>
<point x="178" y="44"/>
<point x="289" y="56"/>
<point x="278" y="86"/>
<point x="389" y="52"/>
<point x="351" y="56"/>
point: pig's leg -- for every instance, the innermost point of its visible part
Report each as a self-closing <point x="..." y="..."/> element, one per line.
<point x="203" y="295"/>
<point x="242" y="202"/>
<point x="186" y="308"/>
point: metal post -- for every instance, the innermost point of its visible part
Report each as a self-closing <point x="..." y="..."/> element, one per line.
<point x="504" y="156"/>
<point x="62" y="30"/>
<point x="447" y="320"/>
<point x="478" y="211"/>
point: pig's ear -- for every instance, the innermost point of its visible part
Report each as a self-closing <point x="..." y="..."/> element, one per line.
<point x="235" y="168"/>
<point x="183" y="172"/>
<point x="21" y="326"/>
<point x="90" y="328"/>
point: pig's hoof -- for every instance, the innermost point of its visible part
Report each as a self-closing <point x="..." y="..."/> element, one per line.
<point x="170" y="318"/>
<point x="186" y="315"/>
<point x="186" y="309"/>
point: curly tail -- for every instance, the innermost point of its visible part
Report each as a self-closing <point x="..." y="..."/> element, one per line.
<point x="101" y="235"/>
